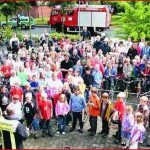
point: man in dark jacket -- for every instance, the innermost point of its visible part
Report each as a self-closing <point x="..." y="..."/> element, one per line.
<point x="85" y="34"/>
<point x="28" y="42"/>
<point x="105" y="47"/>
<point x="19" y="130"/>
<point x="97" y="44"/>
<point x="74" y="57"/>
<point x="65" y="65"/>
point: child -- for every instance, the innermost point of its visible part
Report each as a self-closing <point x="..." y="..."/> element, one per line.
<point x="61" y="110"/>
<point x="30" y="114"/>
<point x="34" y="83"/>
<point x="77" y="104"/>
<point x="127" y="125"/>
<point x="46" y="113"/>
<point x="66" y="90"/>
<point x="137" y="132"/>
<point x="143" y="108"/>
<point x="93" y="106"/>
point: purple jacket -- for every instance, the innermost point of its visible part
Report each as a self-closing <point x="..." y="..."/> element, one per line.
<point x="62" y="109"/>
<point x="128" y="122"/>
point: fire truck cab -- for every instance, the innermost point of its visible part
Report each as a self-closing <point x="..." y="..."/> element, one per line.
<point x="95" y="17"/>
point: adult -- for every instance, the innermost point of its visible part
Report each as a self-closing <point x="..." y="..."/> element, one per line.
<point x="65" y="65"/>
<point x="132" y="52"/>
<point x="74" y="57"/>
<point x="14" y="44"/>
<point x="19" y="130"/>
<point x="98" y="43"/>
<point x="85" y="34"/>
<point x="4" y="98"/>
<point x="28" y="42"/>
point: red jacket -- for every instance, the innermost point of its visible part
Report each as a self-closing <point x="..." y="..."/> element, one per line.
<point x="45" y="108"/>
<point x="120" y="107"/>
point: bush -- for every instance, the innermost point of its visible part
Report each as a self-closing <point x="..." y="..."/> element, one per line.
<point x="70" y="36"/>
<point x="8" y="32"/>
<point x="39" y="21"/>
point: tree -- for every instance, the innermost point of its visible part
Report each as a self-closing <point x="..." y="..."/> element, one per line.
<point x="134" y="21"/>
<point x="10" y="8"/>
<point x="7" y="10"/>
<point x="63" y="5"/>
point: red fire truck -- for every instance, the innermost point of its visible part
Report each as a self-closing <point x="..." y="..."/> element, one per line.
<point x="95" y="17"/>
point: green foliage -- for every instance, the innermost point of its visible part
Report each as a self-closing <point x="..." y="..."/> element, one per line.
<point x="42" y="21"/>
<point x="8" y="32"/>
<point x="134" y="22"/>
<point x="70" y="36"/>
<point x="10" y="8"/>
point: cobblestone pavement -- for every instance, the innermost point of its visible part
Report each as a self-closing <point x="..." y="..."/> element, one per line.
<point x="73" y="139"/>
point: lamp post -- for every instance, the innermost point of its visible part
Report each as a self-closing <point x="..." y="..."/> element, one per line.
<point x="79" y="17"/>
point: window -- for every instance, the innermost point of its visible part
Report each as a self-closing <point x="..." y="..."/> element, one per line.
<point x="55" y="12"/>
<point x="69" y="12"/>
<point x="13" y="19"/>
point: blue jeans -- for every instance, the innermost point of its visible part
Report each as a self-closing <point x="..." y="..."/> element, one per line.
<point x="62" y="123"/>
<point x="35" y="123"/>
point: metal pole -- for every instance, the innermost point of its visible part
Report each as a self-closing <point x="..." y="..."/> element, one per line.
<point x="79" y="17"/>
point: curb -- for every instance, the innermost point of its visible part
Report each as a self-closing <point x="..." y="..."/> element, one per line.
<point x="42" y="26"/>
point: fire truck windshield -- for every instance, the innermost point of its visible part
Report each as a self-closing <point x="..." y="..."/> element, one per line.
<point x="69" y="12"/>
<point x="55" y="12"/>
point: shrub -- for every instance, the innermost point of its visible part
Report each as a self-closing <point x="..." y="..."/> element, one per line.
<point x="70" y="36"/>
<point x="8" y="32"/>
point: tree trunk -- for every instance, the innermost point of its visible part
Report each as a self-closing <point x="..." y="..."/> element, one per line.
<point x="42" y="13"/>
<point x="6" y="20"/>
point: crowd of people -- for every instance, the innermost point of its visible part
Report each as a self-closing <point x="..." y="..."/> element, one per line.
<point x="60" y="79"/>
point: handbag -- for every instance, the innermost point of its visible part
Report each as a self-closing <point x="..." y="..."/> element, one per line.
<point x="114" y="120"/>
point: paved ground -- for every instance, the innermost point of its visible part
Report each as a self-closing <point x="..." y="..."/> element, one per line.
<point x="73" y="140"/>
<point x="38" y="30"/>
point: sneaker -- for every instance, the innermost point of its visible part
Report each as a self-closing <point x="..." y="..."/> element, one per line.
<point x="80" y="130"/>
<point x="58" y="132"/>
<point x="63" y="133"/>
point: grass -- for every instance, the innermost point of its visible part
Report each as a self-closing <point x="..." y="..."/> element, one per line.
<point x="39" y="21"/>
